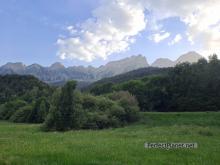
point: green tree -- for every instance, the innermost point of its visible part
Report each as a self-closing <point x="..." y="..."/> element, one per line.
<point x="62" y="112"/>
<point x="53" y="118"/>
<point x="66" y="106"/>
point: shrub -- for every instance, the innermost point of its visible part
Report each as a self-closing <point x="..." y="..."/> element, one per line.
<point x="118" y="113"/>
<point x="22" y="115"/>
<point x="91" y="112"/>
<point x="62" y="115"/>
<point x="40" y="111"/>
<point x="89" y="102"/>
<point x="9" y="108"/>
<point x="53" y="118"/>
<point x="97" y="112"/>
<point x="128" y="102"/>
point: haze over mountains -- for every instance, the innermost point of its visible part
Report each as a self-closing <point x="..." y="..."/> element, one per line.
<point x="59" y="73"/>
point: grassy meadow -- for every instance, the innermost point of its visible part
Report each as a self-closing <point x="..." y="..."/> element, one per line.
<point x="26" y="144"/>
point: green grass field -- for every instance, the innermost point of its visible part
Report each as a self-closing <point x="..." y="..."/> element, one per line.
<point x="25" y="144"/>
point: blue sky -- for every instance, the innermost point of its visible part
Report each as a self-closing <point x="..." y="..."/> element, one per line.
<point x="30" y="30"/>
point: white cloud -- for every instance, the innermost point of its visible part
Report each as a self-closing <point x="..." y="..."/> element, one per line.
<point x="111" y="29"/>
<point x="176" y="39"/>
<point x="202" y="18"/>
<point x="115" y="23"/>
<point x="158" y="37"/>
<point x="72" y="30"/>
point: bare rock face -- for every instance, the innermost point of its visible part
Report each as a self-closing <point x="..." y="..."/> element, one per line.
<point x="57" y="66"/>
<point x="163" y="63"/>
<point x="122" y="66"/>
<point x="190" y="57"/>
<point x="17" y="67"/>
<point x="58" y="73"/>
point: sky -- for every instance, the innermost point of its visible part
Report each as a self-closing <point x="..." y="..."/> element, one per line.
<point x="94" y="32"/>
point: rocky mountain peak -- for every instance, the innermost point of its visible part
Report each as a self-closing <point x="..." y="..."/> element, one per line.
<point x="35" y="66"/>
<point x="163" y="63"/>
<point x="190" y="57"/>
<point x="57" y="66"/>
<point x="18" y="66"/>
<point x="122" y="66"/>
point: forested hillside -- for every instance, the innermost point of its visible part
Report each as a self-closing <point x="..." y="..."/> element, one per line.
<point x="132" y="75"/>
<point x="24" y="99"/>
<point x="186" y="87"/>
<point x="12" y="86"/>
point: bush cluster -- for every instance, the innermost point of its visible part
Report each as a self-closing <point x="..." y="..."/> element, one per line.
<point x="24" y="112"/>
<point x="86" y="111"/>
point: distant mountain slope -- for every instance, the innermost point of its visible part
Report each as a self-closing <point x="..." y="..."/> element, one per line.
<point x="57" y="66"/>
<point x="163" y="63"/>
<point x="135" y="74"/>
<point x="11" y="68"/>
<point x="122" y="66"/>
<point x="190" y="57"/>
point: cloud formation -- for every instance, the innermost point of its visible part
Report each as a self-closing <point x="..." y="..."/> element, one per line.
<point x="202" y="18"/>
<point x="176" y="39"/>
<point x="115" y="24"/>
<point x="111" y="29"/>
<point x="158" y="37"/>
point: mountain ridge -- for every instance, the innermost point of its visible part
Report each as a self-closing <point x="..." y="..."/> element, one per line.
<point x="57" y="72"/>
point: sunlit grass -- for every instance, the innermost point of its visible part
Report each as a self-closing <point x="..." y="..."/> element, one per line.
<point x="22" y="144"/>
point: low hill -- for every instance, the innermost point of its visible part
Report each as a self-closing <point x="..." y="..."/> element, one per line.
<point x="16" y="85"/>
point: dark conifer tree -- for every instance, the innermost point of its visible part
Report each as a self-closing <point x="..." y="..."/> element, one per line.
<point x="66" y="106"/>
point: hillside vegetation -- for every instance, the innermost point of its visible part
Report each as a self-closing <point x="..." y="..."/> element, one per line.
<point x="12" y="86"/>
<point x="24" y="99"/>
<point x="27" y="100"/>
<point x="186" y="87"/>
<point x="132" y="75"/>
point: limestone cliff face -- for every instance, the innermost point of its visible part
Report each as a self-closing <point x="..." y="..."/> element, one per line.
<point x="190" y="57"/>
<point x="122" y="66"/>
<point x="163" y="63"/>
<point x="57" y="72"/>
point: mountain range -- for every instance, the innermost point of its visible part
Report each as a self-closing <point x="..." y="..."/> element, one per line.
<point x="190" y="57"/>
<point x="57" y="72"/>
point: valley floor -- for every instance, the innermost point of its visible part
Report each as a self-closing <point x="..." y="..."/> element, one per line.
<point x="25" y="144"/>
